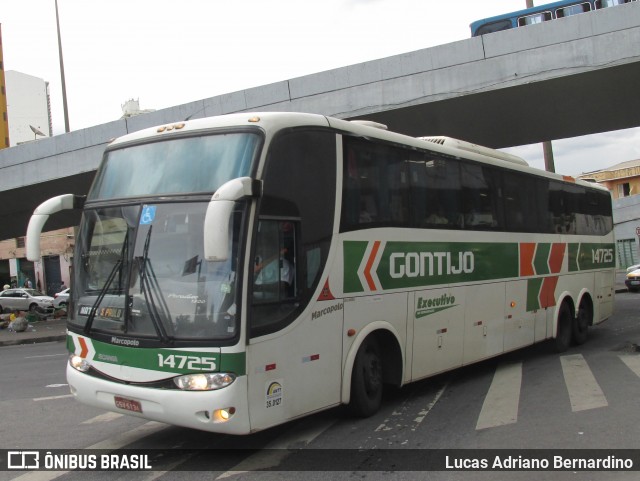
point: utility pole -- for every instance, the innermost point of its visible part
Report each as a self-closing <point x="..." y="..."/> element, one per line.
<point x="64" y="86"/>
<point x="4" y="118"/>
<point x="547" y="148"/>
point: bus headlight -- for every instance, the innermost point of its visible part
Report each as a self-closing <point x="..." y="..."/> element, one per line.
<point x="204" y="382"/>
<point x="79" y="363"/>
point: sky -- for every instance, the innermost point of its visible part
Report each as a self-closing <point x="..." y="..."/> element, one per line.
<point x="167" y="52"/>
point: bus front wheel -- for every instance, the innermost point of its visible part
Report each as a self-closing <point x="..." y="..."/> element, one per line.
<point x="366" y="379"/>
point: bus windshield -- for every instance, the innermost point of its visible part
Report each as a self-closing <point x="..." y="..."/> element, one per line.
<point x="184" y="165"/>
<point x="142" y="273"/>
<point x="141" y="270"/>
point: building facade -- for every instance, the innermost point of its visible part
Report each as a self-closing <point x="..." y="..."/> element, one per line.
<point x="46" y="275"/>
<point x="28" y="117"/>
<point x="623" y="180"/>
<point x="4" y="117"/>
<point x="28" y="107"/>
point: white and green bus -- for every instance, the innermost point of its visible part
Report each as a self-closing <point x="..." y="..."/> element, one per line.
<point x="237" y="272"/>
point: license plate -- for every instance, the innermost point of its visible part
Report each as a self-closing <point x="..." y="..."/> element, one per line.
<point x="128" y="404"/>
<point x="635" y="283"/>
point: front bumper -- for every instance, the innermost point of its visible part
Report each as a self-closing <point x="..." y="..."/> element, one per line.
<point x="191" y="409"/>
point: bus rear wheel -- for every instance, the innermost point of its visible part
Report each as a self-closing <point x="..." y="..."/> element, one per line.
<point x="366" y="379"/>
<point x="564" y="331"/>
<point x="582" y="322"/>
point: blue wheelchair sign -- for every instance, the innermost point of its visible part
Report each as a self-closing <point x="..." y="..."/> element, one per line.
<point x="148" y="214"/>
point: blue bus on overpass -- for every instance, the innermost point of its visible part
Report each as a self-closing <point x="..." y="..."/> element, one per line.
<point x="539" y="14"/>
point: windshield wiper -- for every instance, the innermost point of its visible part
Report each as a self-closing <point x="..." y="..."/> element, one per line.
<point x="116" y="267"/>
<point x="103" y="291"/>
<point x="151" y="287"/>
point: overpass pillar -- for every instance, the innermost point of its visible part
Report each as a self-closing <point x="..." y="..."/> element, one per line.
<point x="549" y="163"/>
<point x="547" y="149"/>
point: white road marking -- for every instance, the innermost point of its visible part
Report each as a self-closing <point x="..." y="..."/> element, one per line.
<point x="46" y="355"/>
<point x="40" y="475"/>
<point x="632" y="361"/>
<point x="49" y="398"/>
<point x="129" y="437"/>
<point x="423" y="414"/>
<point x="383" y="427"/>
<point x="157" y="474"/>
<point x="584" y="390"/>
<point x="103" y="418"/>
<point x="500" y="405"/>
<point x="273" y="454"/>
<point x="114" y="443"/>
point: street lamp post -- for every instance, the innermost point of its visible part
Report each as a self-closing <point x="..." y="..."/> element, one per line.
<point x="64" y="86"/>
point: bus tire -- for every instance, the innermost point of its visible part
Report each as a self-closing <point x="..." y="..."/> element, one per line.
<point x="366" y="380"/>
<point x="582" y="322"/>
<point x="564" y="331"/>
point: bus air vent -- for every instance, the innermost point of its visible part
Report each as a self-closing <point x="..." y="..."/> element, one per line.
<point x="478" y="149"/>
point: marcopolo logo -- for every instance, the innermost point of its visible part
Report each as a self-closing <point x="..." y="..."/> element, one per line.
<point x="426" y="307"/>
<point x="327" y="310"/>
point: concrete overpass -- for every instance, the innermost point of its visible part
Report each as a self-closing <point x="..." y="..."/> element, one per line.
<point x="575" y="76"/>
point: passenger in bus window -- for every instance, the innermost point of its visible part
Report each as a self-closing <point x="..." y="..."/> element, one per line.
<point x="273" y="276"/>
<point x="437" y="218"/>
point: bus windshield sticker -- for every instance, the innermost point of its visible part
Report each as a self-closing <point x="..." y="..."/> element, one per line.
<point x="148" y="214"/>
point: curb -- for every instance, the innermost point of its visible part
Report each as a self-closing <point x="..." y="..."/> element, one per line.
<point x="33" y="340"/>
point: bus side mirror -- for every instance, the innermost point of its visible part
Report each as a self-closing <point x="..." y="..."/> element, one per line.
<point x="218" y="216"/>
<point x="40" y="217"/>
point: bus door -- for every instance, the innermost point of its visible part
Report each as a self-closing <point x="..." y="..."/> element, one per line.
<point x="294" y="354"/>
<point x="522" y="327"/>
<point x="438" y="330"/>
<point x="604" y="293"/>
<point x="484" y="321"/>
<point x="295" y="342"/>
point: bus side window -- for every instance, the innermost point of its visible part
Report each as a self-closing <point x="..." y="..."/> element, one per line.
<point x="533" y="19"/>
<point x="498" y="26"/>
<point x="521" y="204"/>
<point x="274" y="274"/>
<point x="609" y="3"/>
<point x="275" y="264"/>
<point x="481" y="209"/>
<point x="435" y="193"/>
<point x="296" y="212"/>
<point x="351" y="196"/>
<point x="573" y="10"/>
<point x="376" y="185"/>
<point x="556" y="208"/>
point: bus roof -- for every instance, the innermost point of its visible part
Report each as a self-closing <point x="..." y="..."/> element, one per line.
<point x="276" y="120"/>
<point x="268" y="120"/>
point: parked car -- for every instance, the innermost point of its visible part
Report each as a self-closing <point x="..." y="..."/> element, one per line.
<point x="61" y="299"/>
<point x="12" y="300"/>
<point x="633" y="280"/>
<point x="633" y="268"/>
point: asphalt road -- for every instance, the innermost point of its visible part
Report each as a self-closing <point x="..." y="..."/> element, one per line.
<point x="585" y="398"/>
